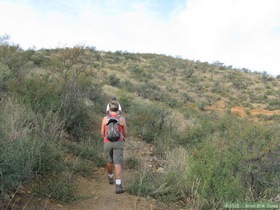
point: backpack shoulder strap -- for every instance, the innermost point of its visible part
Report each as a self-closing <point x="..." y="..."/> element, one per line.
<point x="112" y="119"/>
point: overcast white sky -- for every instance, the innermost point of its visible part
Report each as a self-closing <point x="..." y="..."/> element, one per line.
<point x="241" y="33"/>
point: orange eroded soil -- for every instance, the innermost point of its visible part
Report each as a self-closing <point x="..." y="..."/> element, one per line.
<point x="241" y="111"/>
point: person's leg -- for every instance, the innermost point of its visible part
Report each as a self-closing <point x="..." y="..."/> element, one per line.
<point x="118" y="158"/>
<point x="118" y="170"/>
<point x="110" y="167"/>
<point x="118" y="161"/>
<point x="108" y="151"/>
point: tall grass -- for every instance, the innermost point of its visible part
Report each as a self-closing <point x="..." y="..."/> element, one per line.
<point x="170" y="185"/>
<point x="230" y="160"/>
<point x="237" y="162"/>
<point x="28" y="147"/>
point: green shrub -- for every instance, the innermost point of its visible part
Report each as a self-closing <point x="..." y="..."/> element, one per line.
<point x="136" y="71"/>
<point x="25" y="150"/>
<point x="216" y="171"/>
<point x="142" y="184"/>
<point x="168" y="185"/>
<point x="49" y="158"/>
<point x="171" y="185"/>
<point x="97" y="98"/>
<point x="17" y="160"/>
<point x="194" y="135"/>
<point x="27" y="157"/>
<point x="132" y="163"/>
<point x="88" y="151"/>
<point x="77" y="120"/>
<point x="127" y="85"/>
<point x="114" y="81"/>
<point x="5" y="73"/>
<point x="41" y="95"/>
<point x="274" y="104"/>
<point x="146" y="120"/>
<point x="59" y="189"/>
<point x="149" y="90"/>
<point x="170" y="101"/>
<point x="236" y="163"/>
<point x="39" y="59"/>
<point x="81" y="166"/>
<point x="126" y="100"/>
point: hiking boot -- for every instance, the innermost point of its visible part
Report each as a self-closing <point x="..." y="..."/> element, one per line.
<point x="111" y="180"/>
<point x="119" y="189"/>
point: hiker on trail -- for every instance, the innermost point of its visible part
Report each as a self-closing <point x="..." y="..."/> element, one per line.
<point x="113" y="99"/>
<point x="113" y="148"/>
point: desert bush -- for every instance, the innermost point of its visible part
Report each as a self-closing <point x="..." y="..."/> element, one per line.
<point x="146" y="120"/>
<point x="41" y="95"/>
<point x="90" y="150"/>
<point x="114" y="81"/>
<point x="186" y="98"/>
<point x="132" y="163"/>
<point x="215" y="170"/>
<point x="274" y="104"/>
<point x="142" y="184"/>
<point x="236" y="163"/>
<point x="169" y="185"/>
<point x="5" y="73"/>
<point x="59" y="189"/>
<point x="77" y="121"/>
<point x="25" y="151"/>
<point x="127" y="85"/>
<point x="81" y="167"/>
<point x="40" y="59"/>
<point x="61" y="91"/>
<point x="170" y="101"/>
<point x="98" y="99"/>
<point x="49" y="158"/>
<point x="169" y="136"/>
<point x="24" y="158"/>
<point x="194" y="135"/>
<point x="231" y="160"/>
<point x="13" y="56"/>
<point x="17" y="161"/>
<point x="126" y="100"/>
<point x="136" y="71"/>
<point x="48" y="126"/>
<point x="148" y="91"/>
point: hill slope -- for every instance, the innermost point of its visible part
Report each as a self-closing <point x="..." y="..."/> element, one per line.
<point x="54" y="100"/>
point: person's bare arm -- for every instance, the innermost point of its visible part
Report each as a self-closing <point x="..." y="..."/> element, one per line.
<point x="102" y="127"/>
<point x="124" y="127"/>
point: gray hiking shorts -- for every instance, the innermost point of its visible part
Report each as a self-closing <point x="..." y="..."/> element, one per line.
<point x="113" y="152"/>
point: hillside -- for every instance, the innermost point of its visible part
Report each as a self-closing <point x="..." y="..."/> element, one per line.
<point x="214" y="130"/>
<point x="191" y="82"/>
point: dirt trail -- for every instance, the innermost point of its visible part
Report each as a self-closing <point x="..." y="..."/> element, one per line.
<point x="99" y="194"/>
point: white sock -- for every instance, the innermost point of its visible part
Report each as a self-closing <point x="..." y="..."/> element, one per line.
<point x="111" y="175"/>
<point x="118" y="181"/>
